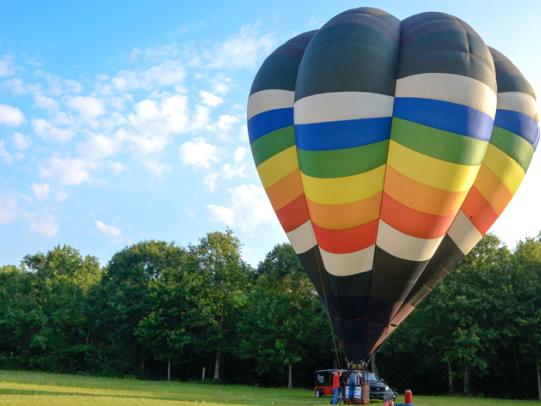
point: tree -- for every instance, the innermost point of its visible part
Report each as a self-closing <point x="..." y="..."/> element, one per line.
<point x="285" y="323"/>
<point x="225" y="277"/>
<point x="123" y="300"/>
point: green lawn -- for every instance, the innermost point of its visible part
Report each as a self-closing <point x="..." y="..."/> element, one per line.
<point x="41" y="389"/>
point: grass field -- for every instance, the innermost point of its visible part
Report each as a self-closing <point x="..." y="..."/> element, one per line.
<point x="40" y="389"/>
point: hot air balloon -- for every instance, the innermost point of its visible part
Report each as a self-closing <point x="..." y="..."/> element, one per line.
<point x="387" y="149"/>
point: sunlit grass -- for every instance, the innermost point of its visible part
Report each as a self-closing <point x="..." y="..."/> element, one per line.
<point x="41" y="389"/>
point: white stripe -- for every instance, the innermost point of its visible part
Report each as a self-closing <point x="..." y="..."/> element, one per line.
<point x="463" y="233"/>
<point x="449" y="87"/>
<point x="517" y="101"/>
<point x="302" y="238"/>
<point x="348" y="264"/>
<point x="342" y="106"/>
<point x="405" y="246"/>
<point x="271" y="99"/>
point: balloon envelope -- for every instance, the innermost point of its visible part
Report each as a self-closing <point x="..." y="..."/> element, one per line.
<point x="387" y="149"/>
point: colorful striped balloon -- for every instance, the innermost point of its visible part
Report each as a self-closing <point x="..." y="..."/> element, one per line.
<point x="387" y="149"/>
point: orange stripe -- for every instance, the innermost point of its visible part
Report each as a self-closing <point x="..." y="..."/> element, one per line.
<point x="421" y="197"/>
<point x="340" y="216"/>
<point x="349" y="240"/>
<point x="285" y="190"/>
<point x="492" y="189"/>
<point x="479" y="211"/>
<point x="413" y="222"/>
<point x="294" y="214"/>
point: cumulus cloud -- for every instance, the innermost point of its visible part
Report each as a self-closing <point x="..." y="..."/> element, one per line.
<point x="210" y="99"/>
<point x="20" y="141"/>
<point x="48" y="131"/>
<point x="9" y="209"/>
<point x="241" y="50"/>
<point x="5" y="156"/>
<point x="248" y="208"/>
<point x="11" y="116"/>
<point x="222" y="214"/>
<point x="41" y="190"/>
<point x="87" y="107"/>
<point x="166" y="73"/>
<point x="7" y="67"/>
<point x="198" y="153"/>
<point x="46" y="227"/>
<point x="67" y="171"/>
<point x="108" y="229"/>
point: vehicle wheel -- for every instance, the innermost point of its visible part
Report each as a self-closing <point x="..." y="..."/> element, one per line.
<point x="319" y="393"/>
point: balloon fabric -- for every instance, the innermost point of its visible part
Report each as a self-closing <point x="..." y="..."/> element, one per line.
<point x="387" y="149"/>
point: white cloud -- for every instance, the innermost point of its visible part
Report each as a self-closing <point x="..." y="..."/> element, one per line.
<point x="11" y="116"/>
<point x="7" y="68"/>
<point x="210" y="99"/>
<point x="46" y="130"/>
<point x="224" y="124"/>
<point x="20" y="141"/>
<point x="248" y="208"/>
<point x="108" y="229"/>
<point x="238" y="167"/>
<point x="116" y="167"/>
<point x="45" y="102"/>
<point x="88" y="107"/>
<point x="198" y="153"/>
<point x="41" y="190"/>
<point x="222" y="214"/>
<point x="158" y="169"/>
<point x="67" y="171"/>
<point x="166" y="73"/>
<point x="9" y="209"/>
<point x="5" y="156"/>
<point x="46" y="227"/>
<point x="240" y="51"/>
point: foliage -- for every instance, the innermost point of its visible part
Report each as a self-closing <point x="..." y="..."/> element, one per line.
<point x="156" y="303"/>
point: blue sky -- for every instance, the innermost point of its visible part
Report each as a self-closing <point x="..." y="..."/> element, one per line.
<point x="124" y="122"/>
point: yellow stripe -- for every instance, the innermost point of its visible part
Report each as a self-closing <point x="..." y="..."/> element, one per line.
<point x="275" y="168"/>
<point x="493" y="189"/>
<point x="346" y="189"/>
<point x="431" y="171"/>
<point x="505" y="167"/>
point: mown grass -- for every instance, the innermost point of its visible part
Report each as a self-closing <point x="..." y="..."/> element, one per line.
<point x="19" y="388"/>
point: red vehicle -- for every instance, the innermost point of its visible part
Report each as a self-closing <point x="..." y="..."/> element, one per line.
<point x="323" y="381"/>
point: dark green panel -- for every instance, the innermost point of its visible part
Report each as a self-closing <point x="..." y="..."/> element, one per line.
<point x="355" y="51"/>
<point x="343" y="162"/>
<point x="437" y="143"/>
<point x="509" y="77"/>
<point x="440" y="43"/>
<point x="271" y="143"/>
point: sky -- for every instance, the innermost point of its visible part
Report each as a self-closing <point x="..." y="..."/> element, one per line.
<point x="125" y="121"/>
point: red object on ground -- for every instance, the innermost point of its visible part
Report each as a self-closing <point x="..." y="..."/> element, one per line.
<point x="408" y="397"/>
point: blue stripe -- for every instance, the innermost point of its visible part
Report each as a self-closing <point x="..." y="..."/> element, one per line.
<point x="268" y="121"/>
<point x="518" y="123"/>
<point x="444" y="115"/>
<point x="342" y="134"/>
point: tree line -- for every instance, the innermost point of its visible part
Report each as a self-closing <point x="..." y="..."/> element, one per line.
<point x="160" y="311"/>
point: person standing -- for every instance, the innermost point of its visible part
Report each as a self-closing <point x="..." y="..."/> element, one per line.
<point x="336" y="387"/>
<point x="352" y="382"/>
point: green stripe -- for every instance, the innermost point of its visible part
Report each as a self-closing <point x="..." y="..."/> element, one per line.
<point x="343" y="162"/>
<point x="513" y="145"/>
<point x="270" y="144"/>
<point x="439" y="144"/>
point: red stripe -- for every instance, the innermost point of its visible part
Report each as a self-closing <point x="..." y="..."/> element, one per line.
<point x="479" y="211"/>
<point x="346" y="240"/>
<point x="414" y="222"/>
<point x="294" y="214"/>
